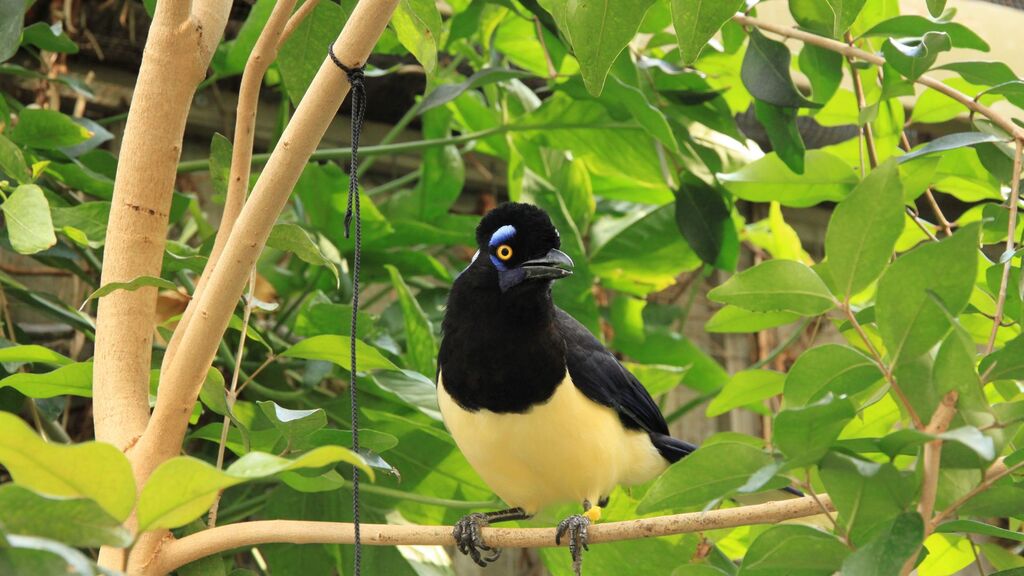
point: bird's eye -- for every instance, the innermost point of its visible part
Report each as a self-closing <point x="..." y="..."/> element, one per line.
<point x="504" y="252"/>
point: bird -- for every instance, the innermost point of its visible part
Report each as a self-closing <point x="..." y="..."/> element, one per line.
<point x="540" y="408"/>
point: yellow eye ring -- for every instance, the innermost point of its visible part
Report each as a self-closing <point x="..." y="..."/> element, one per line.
<point x="504" y="252"/>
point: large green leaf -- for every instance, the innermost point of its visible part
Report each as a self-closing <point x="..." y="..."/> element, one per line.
<point x="805" y="434"/>
<point x="914" y="26"/>
<point x="32" y="555"/>
<point x="866" y="494"/>
<point x="697" y="21"/>
<point x="863" y="230"/>
<point x="776" y="285"/>
<point x="47" y="130"/>
<point x="714" y="471"/>
<point x="951" y="142"/>
<point x="90" y="470"/>
<point x="702" y="216"/>
<point x="824" y="70"/>
<point x="335" y="349"/>
<point x="912" y="57"/>
<point x="766" y="75"/>
<point x="72" y="379"/>
<point x="75" y="521"/>
<point x="294" y="425"/>
<point x="420" y="345"/>
<point x="29" y="225"/>
<point x="780" y="125"/>
<point x="168" y="502"/>
<point x="909" y="318"/>
<point x="12" y="162"/>
<point x="829" y="368"/>
<point x="886" y="553"/>
<point x="598" y="32"/>
<point x="49" y="37"/>
<point x="14" y="356"/>
<point x="826" y="178"/>
<point x="788" y="549"/>
<point x="1006" y="363"/>
<point x="292" y="238"/>
<point x="302" y="55"/>
<point x="745" y="388"/>
<point x="733" y="319"/>
<point x="12" y="17"/>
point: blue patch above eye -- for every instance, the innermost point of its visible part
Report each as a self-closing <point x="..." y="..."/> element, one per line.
<point x="502" y="235"/>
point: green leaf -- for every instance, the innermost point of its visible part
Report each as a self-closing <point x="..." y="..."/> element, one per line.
<point x="301" y="56"/>
<point x="714" y="471"/>
<point x="618" y="93"/>
<point x="445" y="93"/>
<point x="697" y="21"/>
<point x="780" y="125"/>
<point x="335" y="349"/>
<point x="220" y="163"/>
<point x="805" y="434"/>
<point x="823" y="68"/>
<point x="598" y="32"/>
<point x="89" y="218"/>
<point x="844" y="12"/>
<point x="866" y="494"/>
<point x="906" y="26"/>
<point x="12" y="162"/>
<point x="292" y="238"/>
<point x="443" y="171"/>
<point x="826" y="178"/>
<point x="168" y="502"/>
<point x="77" y="521"/>
<point x="12" y="18"/>
<point x="294" y="425"/>
<point x="936" y="7"/>
<point x="733" y="320"/>
<point x="29" y="226"/>
<point x="15" y="356"/>
<point x="863" y="230"/>
<point x="32" y="555"/>
<point x="89" y="470"/>
<point x="951" y="142"/>
<point x="886" y="553"/>
<point x="829" y="368"/>
<point x="417" y="24"/>
<point x="73" y="379"/>
<point x="765" y="73"/>
<point x="50" y="38"/>
<point x="775" y="285"/>
<point x="744" y="388"/>
<point x="131" y="286"/>
<point x="412" y="387"/>
<point x="912" y="57"/>
<point x="47" y="130"/>
<point x="702" y="217"/>
<point x="790" y="549"/>
<point x="421" y="347"/>
<point x="975" y="527"/>
<point x="1006" y="363"/>
<point x="909" y="319"/>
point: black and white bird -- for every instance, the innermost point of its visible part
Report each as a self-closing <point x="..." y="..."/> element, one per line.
<point x="539" y="407"/>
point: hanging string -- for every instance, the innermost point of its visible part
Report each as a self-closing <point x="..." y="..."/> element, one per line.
<point x="355" y="79"/>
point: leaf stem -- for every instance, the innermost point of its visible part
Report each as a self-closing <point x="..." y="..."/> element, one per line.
<point x="865" y="129"/>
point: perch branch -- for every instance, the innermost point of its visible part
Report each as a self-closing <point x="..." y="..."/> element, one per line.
<point x="223" y="538"/>
<point x="1011" y="235"/>
<point x="853" y="52"/>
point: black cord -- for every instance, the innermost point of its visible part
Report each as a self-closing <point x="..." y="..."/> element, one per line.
<point x="355" y="79"/>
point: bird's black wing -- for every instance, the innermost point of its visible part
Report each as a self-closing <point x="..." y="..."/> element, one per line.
<point x="600" y="376"/>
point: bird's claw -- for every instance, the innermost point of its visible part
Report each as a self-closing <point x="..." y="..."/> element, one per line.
<point x="576" y="527"/>
<point x="469" y="539"/>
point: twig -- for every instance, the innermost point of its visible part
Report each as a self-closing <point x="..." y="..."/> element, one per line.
<point x="990" y="479"/>
<point x="865" y="129"/>
<point x="233" y="391"/>
<point x="1011" y="234"/>
<point x="222" y="538"/>
<point x="918" y="423"/>
<point x="824" y="509"/>
<point x="946" y="226"/>
<point x="850" y="51"/>
<point x="552" y="71"/>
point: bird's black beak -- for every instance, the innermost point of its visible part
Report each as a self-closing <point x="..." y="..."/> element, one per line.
<point x="552" y="266"/>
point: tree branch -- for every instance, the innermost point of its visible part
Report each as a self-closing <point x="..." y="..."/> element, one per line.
<point x="850" y="51"/>
<point x="215" y="540"/>
<point x="933" y="452"/>
<point x="1011" y="243"/>
<point x="862" y="103"/>
<point x="996" y="472"/>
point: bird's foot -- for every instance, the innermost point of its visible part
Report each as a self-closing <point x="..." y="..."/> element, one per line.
<point x="469" y="539"/>
<point x="575" y="527"/>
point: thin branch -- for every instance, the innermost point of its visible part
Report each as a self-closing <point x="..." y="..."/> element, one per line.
<point x="933" y="452"/>
<point x="215" y="540"/>
<point x="877" y="357"/>
<point x="850" y="51"/>
<point x="865" y="129"/>
<point x="296" y="19"/>
<point x="946" y="226"/>
<point x="1011" y="235"/>
<point x="990" y="479"/>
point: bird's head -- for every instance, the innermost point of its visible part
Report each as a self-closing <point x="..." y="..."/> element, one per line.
<point x="519" y="241"/>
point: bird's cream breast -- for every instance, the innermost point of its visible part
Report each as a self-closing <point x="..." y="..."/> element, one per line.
<point x="567" y="449"/>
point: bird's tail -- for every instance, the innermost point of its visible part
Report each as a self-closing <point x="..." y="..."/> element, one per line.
<point x="671" y="449"/>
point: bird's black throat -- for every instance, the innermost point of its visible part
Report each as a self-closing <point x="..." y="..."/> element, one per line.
<point x="501" y="351"/>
